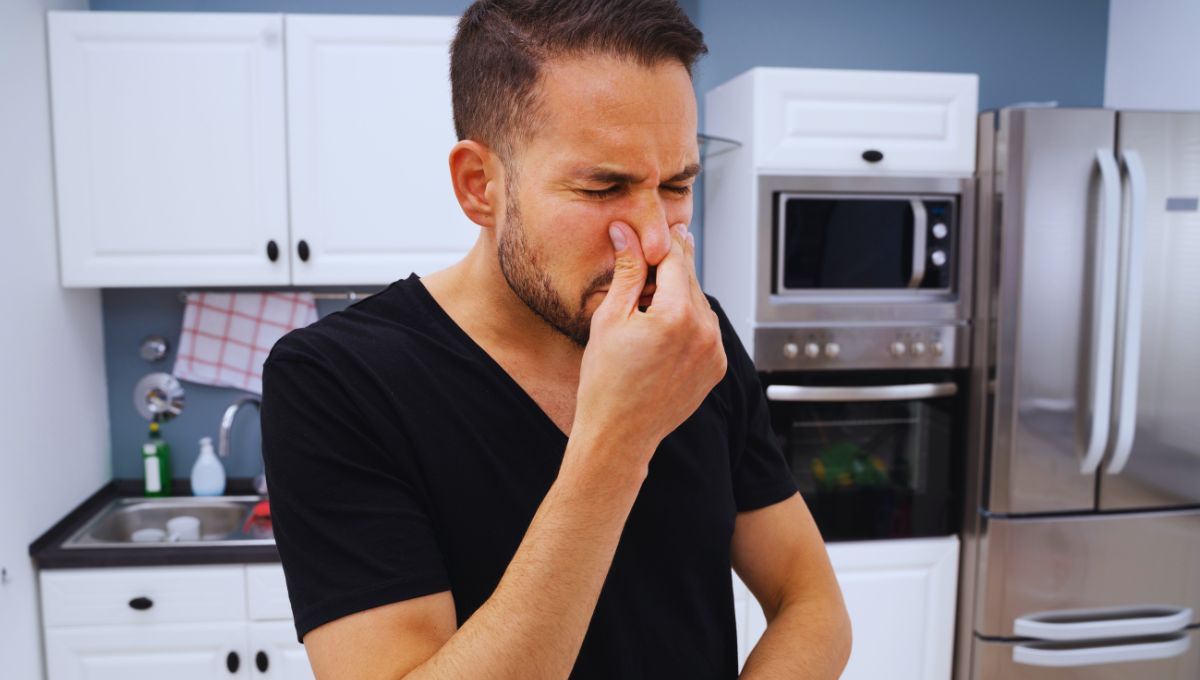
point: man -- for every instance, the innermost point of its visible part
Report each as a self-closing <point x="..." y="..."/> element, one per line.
<point x="543" y="461"/>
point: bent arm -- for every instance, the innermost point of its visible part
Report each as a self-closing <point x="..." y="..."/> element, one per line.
<point x="534" y="623"/>
<point x="779" y="554"/>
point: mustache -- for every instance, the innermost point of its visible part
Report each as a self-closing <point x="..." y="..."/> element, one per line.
<point x="604" y="279"/>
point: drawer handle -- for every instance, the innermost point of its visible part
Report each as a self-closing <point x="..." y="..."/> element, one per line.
<point x="872" y="155"/>
<point x="141" y="603"/>
<point x="261" y="661"/>
<point x="232" y="662"/>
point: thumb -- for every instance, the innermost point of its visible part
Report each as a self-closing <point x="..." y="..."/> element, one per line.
<point x="629" y="271"/>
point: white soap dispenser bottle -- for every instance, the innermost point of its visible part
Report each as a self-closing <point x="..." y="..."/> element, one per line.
<point x="208" y="475"/>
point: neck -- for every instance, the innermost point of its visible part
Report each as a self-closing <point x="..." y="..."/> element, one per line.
<point x="475" y="294"/>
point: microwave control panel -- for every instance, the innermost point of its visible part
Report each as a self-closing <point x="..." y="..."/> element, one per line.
<point x="850" y="347"/>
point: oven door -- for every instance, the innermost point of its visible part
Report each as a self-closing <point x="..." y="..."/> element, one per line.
<point x="856" y="244"/>
<point x="873" y="458"/>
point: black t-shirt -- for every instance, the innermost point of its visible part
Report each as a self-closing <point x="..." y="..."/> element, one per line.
<point x="403" y="461"/>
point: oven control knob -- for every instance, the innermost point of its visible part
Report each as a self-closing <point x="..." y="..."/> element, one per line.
<point x="938" y="348"/>
<point x="898" y="349"/>
<point x="918" y="349"/>
<point x="940" y="230"/>
<point x="791" y="350"/>
<point x="812" y="350"/>
<point x="938" y="257"/>
<point x="832" y="350"/>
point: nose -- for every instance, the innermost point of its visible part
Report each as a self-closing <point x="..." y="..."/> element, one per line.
<point x="650" y="222"/>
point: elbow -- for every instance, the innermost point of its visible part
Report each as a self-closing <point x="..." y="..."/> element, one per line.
<point x="843" y="639"/>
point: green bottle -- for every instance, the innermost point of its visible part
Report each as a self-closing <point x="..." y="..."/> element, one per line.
<point x="156" y="461"/>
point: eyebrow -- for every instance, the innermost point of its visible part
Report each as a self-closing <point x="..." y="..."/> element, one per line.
<point x="603" y="176"/>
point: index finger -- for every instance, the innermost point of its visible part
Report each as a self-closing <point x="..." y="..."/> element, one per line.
<point x="675" y="277"/>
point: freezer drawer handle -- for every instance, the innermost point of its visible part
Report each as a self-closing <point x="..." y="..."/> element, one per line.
<point x="1046" y="654"/>
<point x="1102" y="624"/>
<point x="868" y="393"/>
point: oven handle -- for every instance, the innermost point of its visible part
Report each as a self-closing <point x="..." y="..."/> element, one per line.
<point x="866" y="393"/>
<point x="920" y="227"/>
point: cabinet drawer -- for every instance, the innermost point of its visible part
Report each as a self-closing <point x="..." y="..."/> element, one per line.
<point x="817" y="121"/>
<point x="267" y="595"/>
<point x="74" y="597"/>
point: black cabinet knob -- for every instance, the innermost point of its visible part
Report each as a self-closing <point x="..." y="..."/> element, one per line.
<point x="872" y="156"/>
<point x="141" y="603"/>
<point x="272" y="250"/>
<point x="232" y="662"/>
<point x="261" y="661"/>
<point x="302" y="249"/>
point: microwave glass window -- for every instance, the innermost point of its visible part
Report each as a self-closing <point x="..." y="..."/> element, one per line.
<point x="869" y="469"/>
<point x="839" y="243"/>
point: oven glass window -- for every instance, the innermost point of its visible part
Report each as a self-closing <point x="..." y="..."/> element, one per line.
<point x="840" y="243"/>
<point x="870" y="469"/>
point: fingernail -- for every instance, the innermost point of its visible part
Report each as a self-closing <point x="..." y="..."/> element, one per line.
<point x="618" y="238"/>
<point x="691" y="240"/>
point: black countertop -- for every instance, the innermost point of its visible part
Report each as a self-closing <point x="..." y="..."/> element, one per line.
<point x="47" y="551"/>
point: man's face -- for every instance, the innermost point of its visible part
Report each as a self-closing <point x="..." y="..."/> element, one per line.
<point x="618" y="143"/>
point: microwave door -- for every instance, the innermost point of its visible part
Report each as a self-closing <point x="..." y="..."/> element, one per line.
<point x="1155" y="455"/>
<point x="1057" y="194"/>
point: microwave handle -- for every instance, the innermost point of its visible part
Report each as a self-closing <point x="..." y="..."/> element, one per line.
<point x="865" y="393"/>
<point x="920" y="228"/>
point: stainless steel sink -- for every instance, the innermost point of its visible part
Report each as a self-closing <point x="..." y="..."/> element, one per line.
<point x="224" y="520"/>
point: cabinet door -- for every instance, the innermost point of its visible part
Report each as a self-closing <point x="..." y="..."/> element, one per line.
<point x="205" y="651"/>
<point x="369" y="134"/>
<point x="169" y="148"/>
<point x="275" y="653"/>
<point x="900" y="596"/>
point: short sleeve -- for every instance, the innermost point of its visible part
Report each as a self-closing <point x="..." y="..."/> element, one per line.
<point x="761" y="475"/>
<point x="349" y="523"/>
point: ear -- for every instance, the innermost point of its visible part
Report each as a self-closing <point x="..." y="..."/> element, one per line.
<point x="476" y="174"/>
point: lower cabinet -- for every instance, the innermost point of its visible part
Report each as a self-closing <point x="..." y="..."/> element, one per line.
<point x="180" y="623"/>
<point x="901" y="598"/>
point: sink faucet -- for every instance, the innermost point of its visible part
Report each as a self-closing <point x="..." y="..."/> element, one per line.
<point x="260" y="480"/>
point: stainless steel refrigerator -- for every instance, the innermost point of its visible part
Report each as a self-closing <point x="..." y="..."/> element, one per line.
<point x="1082" y="534"/>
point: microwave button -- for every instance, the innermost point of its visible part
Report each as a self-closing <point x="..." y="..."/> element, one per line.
<point x="938" y="257"/>
<point x="791" y="350"/>
<point x="938" y="348"/>
<point x="940" y="230"/>
<point x="812" y="350"/>
<point x="918" y="349"/>
<point x="898" y="349"/>
<point x="832" y="350"/>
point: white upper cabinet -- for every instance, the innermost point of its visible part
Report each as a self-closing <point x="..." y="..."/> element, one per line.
<point x="830" y="121"/>
<point x="179" y="153"/>
<point x="369" y="133"/>
<point x="169" y="148"/>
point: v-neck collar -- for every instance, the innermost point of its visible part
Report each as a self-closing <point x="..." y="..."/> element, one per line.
<point x="440" y="315"/>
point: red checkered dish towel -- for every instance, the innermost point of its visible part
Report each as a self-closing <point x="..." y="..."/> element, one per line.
<point x="226" y="336"/>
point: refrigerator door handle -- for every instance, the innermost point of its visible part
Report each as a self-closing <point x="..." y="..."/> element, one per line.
<point x="1104" y="315"/>
<point x="864" y="393"/>
<point x="1096" y="624"/>
<point x="1057" y="655"/>
<point x="1131" y="329"/>
<point x="920" y="227"/>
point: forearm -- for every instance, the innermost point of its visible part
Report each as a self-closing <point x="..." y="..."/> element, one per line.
<point x="806" y="640"/>
<point x="534" y="623"/>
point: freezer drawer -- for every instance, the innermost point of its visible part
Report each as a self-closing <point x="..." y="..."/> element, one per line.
<point x="1138" y="560"/>
<point x="1168" y="657"/>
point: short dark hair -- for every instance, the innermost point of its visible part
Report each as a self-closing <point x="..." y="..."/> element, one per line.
<point x="497" y="54"/>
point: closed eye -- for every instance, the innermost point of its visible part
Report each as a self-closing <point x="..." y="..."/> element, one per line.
<point x="617" y="189"/>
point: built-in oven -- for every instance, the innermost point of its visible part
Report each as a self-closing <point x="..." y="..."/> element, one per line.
<point x="859" y="324"/>
<point x="876" y="454"/>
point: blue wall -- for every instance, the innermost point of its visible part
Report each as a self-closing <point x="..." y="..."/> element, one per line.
<point x="1023" y="50"/>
